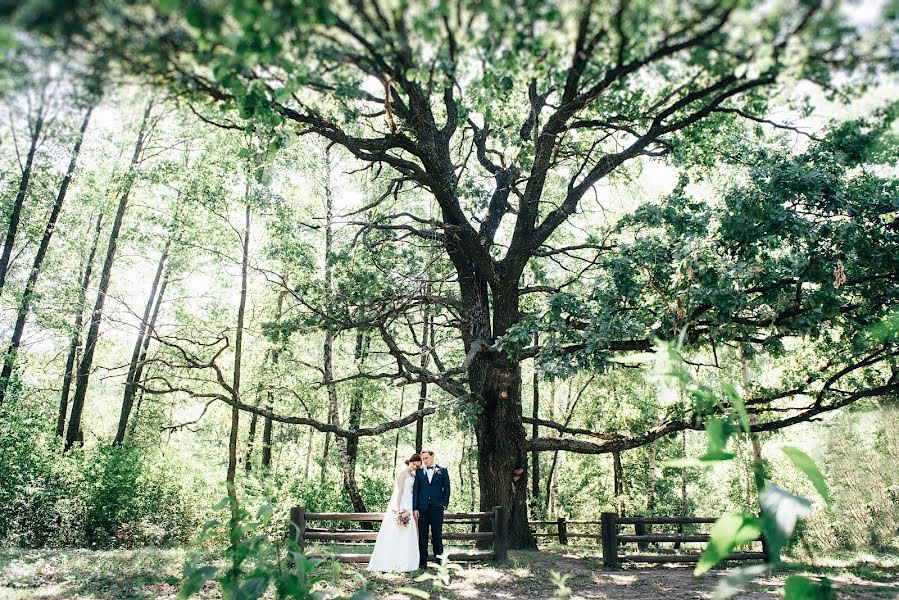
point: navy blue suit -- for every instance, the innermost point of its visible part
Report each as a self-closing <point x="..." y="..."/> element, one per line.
<point x="430" y="499"/>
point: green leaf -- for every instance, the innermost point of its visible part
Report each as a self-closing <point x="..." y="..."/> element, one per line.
<point x="781" y="511"/>
<point x="728" y="533"/>
<point x="803" y="588"/>
<point x="805" y="464"/>
<point x="734" y="396"/>
<point x="737" y="579"/>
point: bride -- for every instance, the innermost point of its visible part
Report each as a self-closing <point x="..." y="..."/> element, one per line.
<point x="396" y="548"/>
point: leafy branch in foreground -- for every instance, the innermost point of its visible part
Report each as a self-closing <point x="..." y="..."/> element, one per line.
<point x="780" y="510"/>
<point x="256" y="564"/>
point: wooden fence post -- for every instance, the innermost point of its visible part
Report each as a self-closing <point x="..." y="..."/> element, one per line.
<point x="563" y="531"/>
<point x="500" y="534"/>
<point x="609" y="536"/>
<point x="296" y="530"/>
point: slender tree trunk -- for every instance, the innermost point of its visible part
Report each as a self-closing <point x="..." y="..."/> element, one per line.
<point x="75" y="343"/>
<point x="251" y="441"/>
<point x="651" y="479"/>
<point x="329" y="336"/>
<point x="90" y="343"/>
<point x="268" y="424"/>
<point x="349" y="476"/>
<point x="396" y="442"/>
<point x="16" y="214"/>
<point x="535" y="431"/>
<point x="142" y="361"/>
<point x="135" y="366"/>
<point x="619" y="481"/>
<point x="31" y="283"/>
<point x="423" y="388"/>
<point x="682" y="506"/>
<point x="309" y="439"/>
<point x="238" y="356"/>
<point x="355" y="416"/>
<point x="551" y="479"/>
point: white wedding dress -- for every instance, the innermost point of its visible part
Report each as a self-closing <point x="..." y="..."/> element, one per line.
<point x="396" y="548"/>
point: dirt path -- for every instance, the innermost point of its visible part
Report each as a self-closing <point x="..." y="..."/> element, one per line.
<point x="117" y="575"/>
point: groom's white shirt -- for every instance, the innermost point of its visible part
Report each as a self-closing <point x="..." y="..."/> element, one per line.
<point x="430" y="472"/>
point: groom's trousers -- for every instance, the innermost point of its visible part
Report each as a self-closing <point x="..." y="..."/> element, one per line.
<point x="431" y="520"/>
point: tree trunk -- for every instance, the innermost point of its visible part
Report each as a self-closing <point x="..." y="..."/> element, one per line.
<point x="251" y="440"/>
<point x="619" y="482"/>
<point x="535" y="432"/>
<point x="268" y="424"/>
<point x="355" y="416"/>
<point x="423" y="388"/>
<point x="136" y="366"/>
<point x="682" y="506"/>
<point x="16" y="214"/>
<point x="142" y="361"/>
<point x="329" y="337"/>
<point x="396" y="442"/>
<point x="31" y="283"/>
<point x="75" y="343"/>
<point x="651" y="480"/>
<point x="502" y="442"/>
<point x="238" y="351"/>
<point x="90" y="343"/>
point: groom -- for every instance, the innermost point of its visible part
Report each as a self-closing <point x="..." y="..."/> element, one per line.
<point x="430" y="497"/>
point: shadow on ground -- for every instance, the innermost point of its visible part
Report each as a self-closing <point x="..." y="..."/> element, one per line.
<point x="125" y="574"/>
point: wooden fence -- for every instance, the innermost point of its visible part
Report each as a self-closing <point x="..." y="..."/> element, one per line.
<point x="497" y="539"/>
<point x="607" y="532"/>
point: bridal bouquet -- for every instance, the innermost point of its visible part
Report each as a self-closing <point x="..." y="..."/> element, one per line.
<point x="403" y="517"/>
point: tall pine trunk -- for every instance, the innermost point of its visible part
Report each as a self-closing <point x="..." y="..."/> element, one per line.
<point x="31" y="283"/>
<point x="75" y="342"/>
<point x="136" y="366"/>
<point x="16" y="213"/>
<point x="90" y="342"/>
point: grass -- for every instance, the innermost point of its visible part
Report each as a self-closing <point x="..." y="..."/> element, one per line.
<point x="142" y="573"/>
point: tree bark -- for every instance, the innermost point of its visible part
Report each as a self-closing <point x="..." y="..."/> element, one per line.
<point x="268" y="424"/>
<point x="238" y="352"/>
<point x="355" y="416"/>
<point x="31" y="283"/>
<point x="142" y="361"/>
<point x="423" y="387"/>
<point x="496" y="381"/>
<point x="135" y="366"/>
<point x="251" y="441"/>
<point x="535" y="431"/>
<point x="90" y="343"/>
<point x="618" y="482"/>
<point x="75" y="343"/>
<point x="16" y="214"/>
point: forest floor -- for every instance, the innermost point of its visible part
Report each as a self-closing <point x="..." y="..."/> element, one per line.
<point x="124" y="574"/>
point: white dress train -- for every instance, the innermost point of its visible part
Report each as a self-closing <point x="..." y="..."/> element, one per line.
<point x="396" y="548"/>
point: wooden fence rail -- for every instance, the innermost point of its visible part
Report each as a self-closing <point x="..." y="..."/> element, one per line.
<point x="610" y="538"/>
<point x="498" y="536"/>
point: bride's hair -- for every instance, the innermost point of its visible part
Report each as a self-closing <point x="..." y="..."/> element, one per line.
<point x="413" y="458"/>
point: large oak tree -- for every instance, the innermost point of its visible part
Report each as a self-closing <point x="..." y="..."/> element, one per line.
<point x="508" y="115"/>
